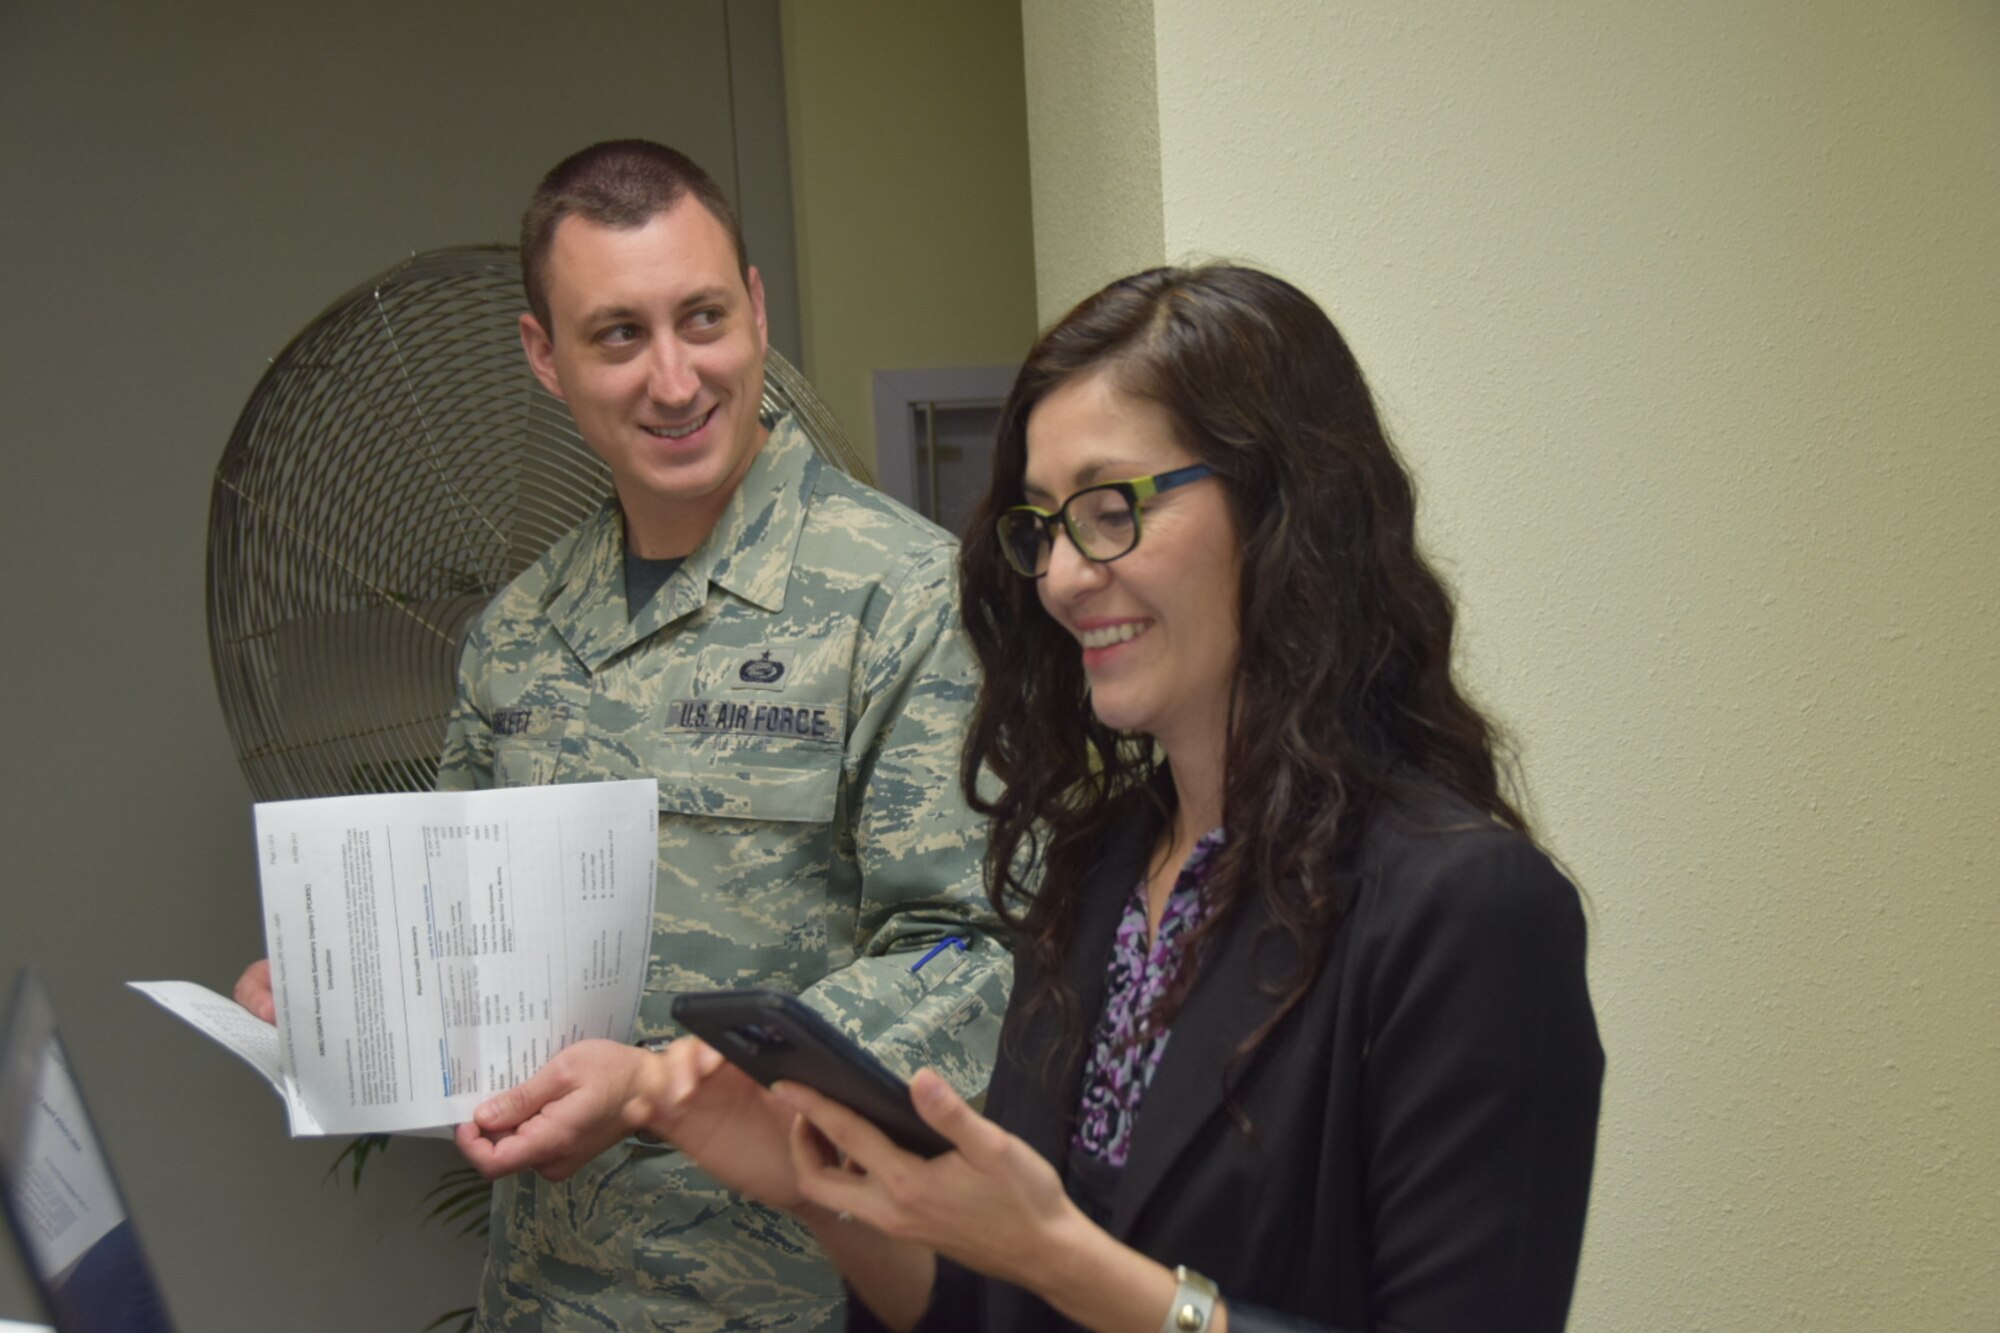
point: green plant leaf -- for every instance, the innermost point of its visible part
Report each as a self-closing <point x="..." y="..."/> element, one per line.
<point x="356" y="1153"/>
<point x="461" y="1195"/>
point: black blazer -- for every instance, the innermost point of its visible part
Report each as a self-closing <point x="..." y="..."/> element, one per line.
<point x="1424" y="1121"/>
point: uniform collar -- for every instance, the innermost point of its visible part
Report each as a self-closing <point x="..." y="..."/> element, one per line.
<point x="750" y="553"/>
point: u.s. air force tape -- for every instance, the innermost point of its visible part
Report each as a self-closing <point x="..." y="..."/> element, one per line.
<point x="809" y="722"/>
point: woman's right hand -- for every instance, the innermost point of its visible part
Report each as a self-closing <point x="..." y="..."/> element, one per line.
<point x="738" y="1132"/>
<point x="724" y="1120"/>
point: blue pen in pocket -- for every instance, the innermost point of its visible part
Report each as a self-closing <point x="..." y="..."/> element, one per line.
<point x="957" y="942"/>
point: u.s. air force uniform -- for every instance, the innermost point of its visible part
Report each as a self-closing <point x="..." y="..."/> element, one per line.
<point x="799" y="689"/>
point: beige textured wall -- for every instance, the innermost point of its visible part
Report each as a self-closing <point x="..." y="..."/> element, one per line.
<point x="910" y="190"/>
<point x="1094" y="138"/>
<point x="1687" y="317"/>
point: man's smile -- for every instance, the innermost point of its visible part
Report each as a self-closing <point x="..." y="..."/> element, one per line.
<point x="680" y="432"/>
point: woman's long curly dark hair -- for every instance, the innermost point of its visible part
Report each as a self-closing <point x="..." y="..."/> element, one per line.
<point x="1345" y="631"/>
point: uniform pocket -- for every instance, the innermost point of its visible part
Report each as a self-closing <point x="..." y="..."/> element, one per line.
<point x="744" y="777"/>
<point x="528" y="744"/>
<point x="760" y="735"/>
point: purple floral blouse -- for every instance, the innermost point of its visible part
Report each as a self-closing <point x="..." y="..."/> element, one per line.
<point x="1124" y="1051"/>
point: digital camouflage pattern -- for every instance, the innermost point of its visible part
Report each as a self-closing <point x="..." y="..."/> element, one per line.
<point x="799" y="688"/>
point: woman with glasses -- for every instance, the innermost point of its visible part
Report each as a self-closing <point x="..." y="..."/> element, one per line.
<point x="1300" y="1036"/>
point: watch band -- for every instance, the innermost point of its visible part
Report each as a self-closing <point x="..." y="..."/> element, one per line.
<point x="1194" y="1302"/>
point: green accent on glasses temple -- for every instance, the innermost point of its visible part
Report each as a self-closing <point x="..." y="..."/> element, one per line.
<point x="1107" y="526"/>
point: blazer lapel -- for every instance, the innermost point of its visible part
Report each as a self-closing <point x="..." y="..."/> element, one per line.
<point x="1223" y="1007"/>
<point x="1045" y="1122"/>
<point x="1041" y="1121"/>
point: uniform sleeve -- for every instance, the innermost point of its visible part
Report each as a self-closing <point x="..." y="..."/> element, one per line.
<point x="930" y="971"/>
<point x="466" y="762"/>
<point x="1480" y="1098"/>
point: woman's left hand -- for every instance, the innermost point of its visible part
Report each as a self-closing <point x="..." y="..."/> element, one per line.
<point x="993" y="1205"/>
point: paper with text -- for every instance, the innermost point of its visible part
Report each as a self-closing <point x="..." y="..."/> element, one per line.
<point x="430" y="950"/>
<point x="64" y="1198"/>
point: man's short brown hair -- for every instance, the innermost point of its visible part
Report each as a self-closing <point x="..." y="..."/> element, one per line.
<point x="618" y="183"/>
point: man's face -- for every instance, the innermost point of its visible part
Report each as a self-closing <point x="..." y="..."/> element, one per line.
<point x="657" y="346"/>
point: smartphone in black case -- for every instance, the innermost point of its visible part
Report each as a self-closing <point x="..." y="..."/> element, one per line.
<point x="771" y="1036"/>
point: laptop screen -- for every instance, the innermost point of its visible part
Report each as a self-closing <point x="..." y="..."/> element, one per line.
<point x="60" y="1198"/>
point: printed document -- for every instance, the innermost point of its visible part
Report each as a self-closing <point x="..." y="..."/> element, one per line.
<point x="64" y="1197"/>
<point x="430" y="950"/>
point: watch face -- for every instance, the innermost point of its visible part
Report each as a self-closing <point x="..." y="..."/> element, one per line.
<point x="1194" y="1302"/>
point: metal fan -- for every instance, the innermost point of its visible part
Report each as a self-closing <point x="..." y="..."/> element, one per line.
<point x="394" y="468"/>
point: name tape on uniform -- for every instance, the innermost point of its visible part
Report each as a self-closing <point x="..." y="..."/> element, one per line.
<point x="723" y="717"/>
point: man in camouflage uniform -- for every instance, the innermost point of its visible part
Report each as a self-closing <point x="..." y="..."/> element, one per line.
<point x="797" y="684"/>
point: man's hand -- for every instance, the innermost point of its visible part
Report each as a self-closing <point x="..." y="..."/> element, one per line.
<point x="594" y="1093"/>
<point x="591" y="1095"/>
<point x="253" y="991"/>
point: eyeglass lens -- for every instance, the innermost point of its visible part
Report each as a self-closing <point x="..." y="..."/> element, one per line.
<point x="1099" y="520"/>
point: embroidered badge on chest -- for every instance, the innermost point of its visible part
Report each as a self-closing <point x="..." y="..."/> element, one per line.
<point x="763" y="672"/>
<point x="760" y="692"/>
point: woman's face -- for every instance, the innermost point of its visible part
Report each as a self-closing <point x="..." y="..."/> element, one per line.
<point x="1157" y="626"/>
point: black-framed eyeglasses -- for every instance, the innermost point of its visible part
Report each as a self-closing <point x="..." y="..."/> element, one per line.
<point x="1102" y="521"/>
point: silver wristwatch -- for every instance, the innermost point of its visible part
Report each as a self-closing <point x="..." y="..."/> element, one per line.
<point x="1194" y="1302"/>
